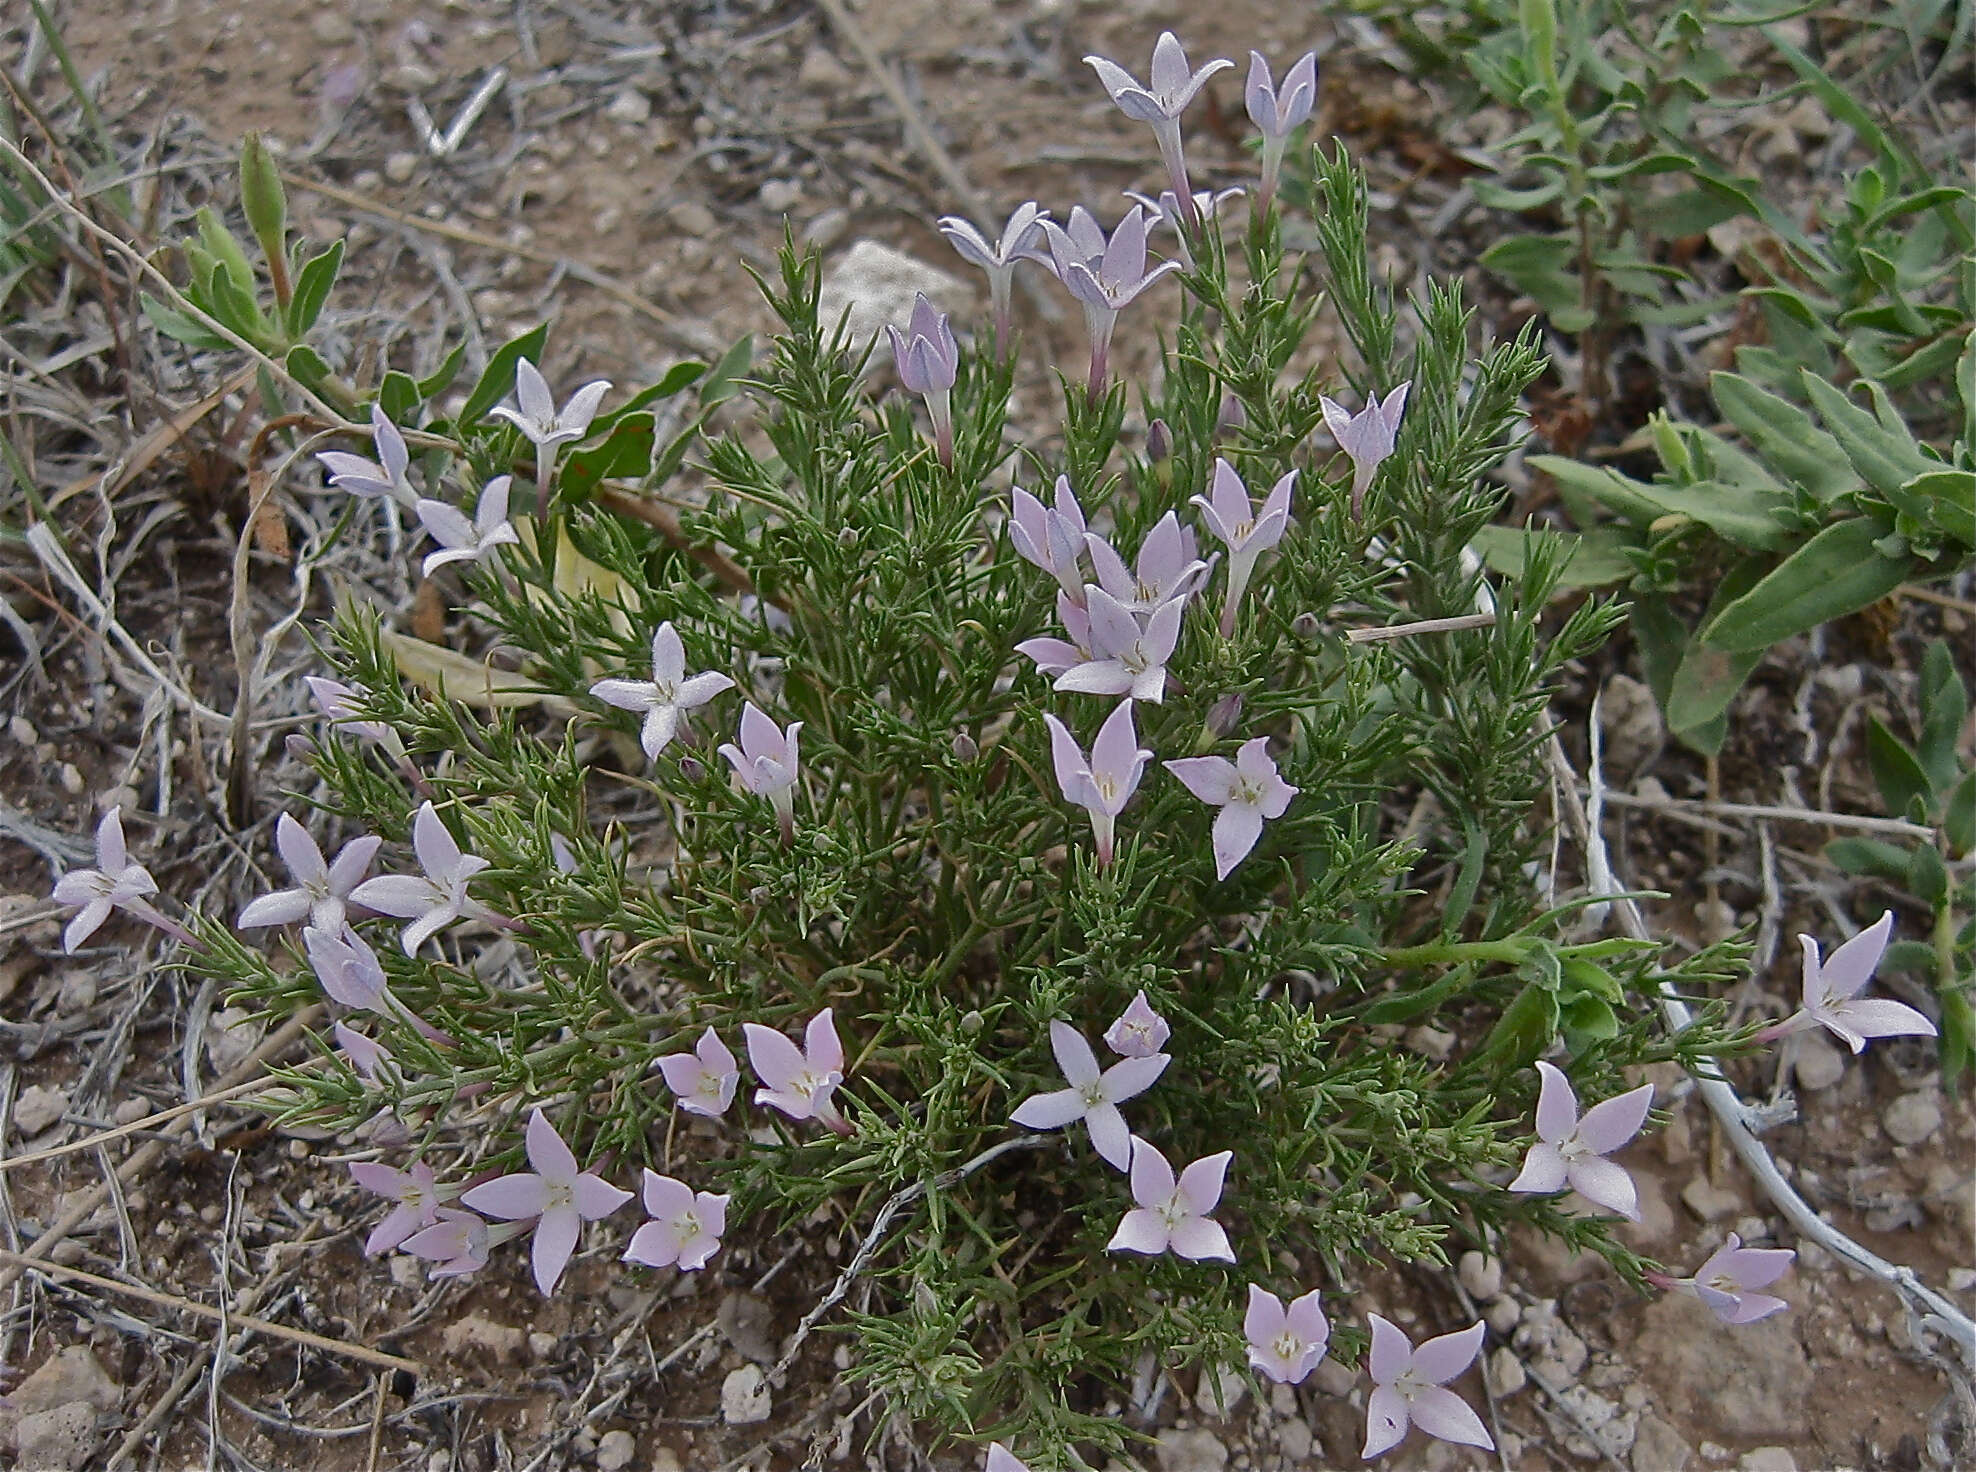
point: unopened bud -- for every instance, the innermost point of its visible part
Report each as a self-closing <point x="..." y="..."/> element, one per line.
<point x="1233" y="416"/>
<point x="847" y="538"/>
<point x="263" y="201"/>
<point x="692" y="769"/>
<point x="1159" y="441"/>
<point x="965" y="749"/>
<point x="1224" y="714"/>
<point x="1304" y="625"/>
<point x="299" y="746"/>
<point x="973" y="1022"/>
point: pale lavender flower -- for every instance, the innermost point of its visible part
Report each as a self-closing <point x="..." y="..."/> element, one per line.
<point x="1571" y="1150"/>
<point x="1245" y="531"/>
<point x="1168" y="567"/>
<point x="555" y="1195"/>
<point x="1725" y="1282"/>
<point x="1248" y="791"/>
<point x="347" y="967"/>
<point x="800" y="1081"/>
<point x="1129" y="658"/>
<point x="766" y="763"/>
<point x="1367" y="437"/>
<point x="1278" y="113"/>
<point x="416" y="1198"/>
<point x="339" y="702"/>
<point x="1410" y="1387"/>
<point x="1001" y="1459"/>
<point x="998" y="260"/>
<point x="366" y="1055"/>
<point x="537" y="417"/>
<point x="435" y="899"/>
<point x="1285" y="1343"/>
<point x="114" y="884"/>
<point x="1093" y="1096"/>
<point x="1139" y="1031"/>
<point x="1103" y="784"/>
<point x="705" y="1078"/>
<point x="463" y="540"/>
<point x="1051" y="537"/>
<point x="1174" y="85"/>
<point x="929" y="360"/>
<point x="1165" y="210"/>
<point x="385" y="476"/>
<point x="1054" y="656"/>
<point x="667" y="696"/>
<point x="1831" y="993"/>
<point x="456" y="1244"/>
<point x="1172" y="1215"/>
<point x="684" y="1227"/>
<point x="1104" y="275"/>
<point x="321" y="888"/>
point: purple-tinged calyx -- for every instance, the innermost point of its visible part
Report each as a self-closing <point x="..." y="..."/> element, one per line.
<point x="928" y="360"/>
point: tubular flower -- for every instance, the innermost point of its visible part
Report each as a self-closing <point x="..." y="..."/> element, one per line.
<point x="1172" y="1215"/>
<point x="416" y="1199"/>
<point x="1051" y="537"/>
<point x="1278" y="114"/>
<point x="1168" y="567"/>
<point x="1128" y="658"/>
<point x="1054" y="656"/>
<point x="383" y="477"/>
<point x="1105" y="783"/>
<point x="1104" y="275"/>
<point x="1139" y="1032"/>
<point x="437" y="898"/>
<point x="1166" y="211"/>
<point x="1285" y="1344"/>
<point x="114" y="884"/>
<point x="1570" y="1150"/>
<point x="463" y="540"/>
<point x="1092" y="1097"/>
<point x="1832" y="988"/>
<point x="1725" y="1281"/>
<point x="667" y="696"/>
<point x="998" y="260"/>
<point x="800" y="1081"/>
<point x="1410" y="1387"/>
<point x="1366" y="437"/>
<point x="1174" y="85"/>
<point x="556" y="1195"/>
<point x="684" y="1227"/>
<point x="704" y="1079"/>
<point x="538" y="418"/>
<point x="1245" y="531"/>
<point x="1248" y="791"/>
<point x="766" y="764"/>
<point x="321" y="888"/>
<point x="929" y="361"/>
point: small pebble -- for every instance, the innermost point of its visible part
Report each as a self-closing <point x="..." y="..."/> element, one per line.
<point x="1708" y="1201"/>
<point x="1333" y="1378"/>
<point x="778" y="195"/>
<point x="616" y="1450"/>
<point x="1505" y="1372"/>
<point x="1481" y="1275"/>
<point x="1768" y="1459"/>
<point x="694" y="218"/>
<point x="131" y="1110"/>
<point x="629" y="106"/>
<point x="1503" y="1314"/>
<point x="22" y="730"/>
<point x="70" y="777"/>
<point x="744" y="1397"/>
<point x="1913" y="1117"/>
<point x="1819" y="1065"/>
<point x="400" y="167"/>
<point x="38" y="1108"/>
<point x="541" y="1345"/>
<point x="1961" y="1280"/>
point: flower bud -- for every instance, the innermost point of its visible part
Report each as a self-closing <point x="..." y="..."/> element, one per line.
<point x="973" y="1022"/>
<point x="1159" y="441"/>
<point x="1232" y="417"/>
<point x="299" y="746"/>
<point x="1225" y="714"/>
<point x="965" y="749"/>
<point x="262" y="199"/>
<point x="1304" y="625"/>
<point x="692" y="769"/>
<point x="847" y="537"/>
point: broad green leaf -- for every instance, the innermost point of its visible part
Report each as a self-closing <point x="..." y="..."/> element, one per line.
<point x="312" y="285"/>
<point x="1896" y="772"/>
<point x="225" y="250"/>
<point x="441" y="378"/>
<point x="498" y="381"/>
<point x="723" y="382"/>
<point x="1945" y="499"/>
<point x="1706" y="680"/>
<point x="179" y="327"/>
<point x="1691" y="212"/>
<point x="1958" y="1045"/>
<point x="1516" y="201"/>
<point x="1543" y="268"/>
<point x="1784" y="435"/>
<point x="1927" y="876"/>
<point x="1621" y="494"/>
<point x="453" y="676"/>
<point x="1592" y="561"/>
<point x="1869" y="857"/>
<point x="1837" y="572"/>
<point x="1944" y="707"/>
<point x="626" y="453"/>
<point x="1524" y="1031"/>
<point x="1884" y="460"/>
<point x="1959" y="817"/>
<point x="306" y="367"/>
<point x="1585" y="1021"/>
<point x="398" y="395"/>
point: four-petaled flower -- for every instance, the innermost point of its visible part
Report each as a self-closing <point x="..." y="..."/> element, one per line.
<point x="800" y="1081"/>
<point x="929" y="360"/>
<point x="1410" y="1386"/>
<point x="537" y="418"/>
<point x="1570" y="1150"/>
<point x="1278" y="112"/>
<point x="1367" y="437"/>
<point x="1054" y="656"/>
<point x="1051" y="537"/>
<point x="766" y="764"/>
<point x="1168" y="566"/>
<point x="347" y="967"/>
<point x="1725" y="1281"/>
<point x="1285" y="1343"/>
<point x="705" y="1078"/>
<point x="114" y="884"/>
<point x="435" y="899"/>
<point x="1245" y="531"/>
<point x="668" y="695"/>
<point x="1172" y="1215"/>
<point x="1104" y="275"/>
<point x="1139" y="1031"/>
<point x="456" y="1244"/>
<point x="1103" y="784"/>
<point x="684" y="1227"/>
<point x="1174" y="85"/>
<point x="415" y="1195"/>
<point x="463" y="540"/>
<point x="1093" y="1096"/>
<point x="385" y="476"/>
<point x="1248" y="791"/>
<point x="1832" y="988"/>
<point x="320" y="887"/>
<point x="1128" y="657"/>
<point x="556" y="1195"/>
<point x="998" y="260"/>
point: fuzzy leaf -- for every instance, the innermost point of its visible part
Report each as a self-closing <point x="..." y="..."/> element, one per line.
<point x="498" y="380"/>
<point x="1784" y="435"/>
<point x="1897" y="772"/>
<point x="1837" y="572"/>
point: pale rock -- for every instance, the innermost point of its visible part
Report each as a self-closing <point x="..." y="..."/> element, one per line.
<point x="1333" y="1378"/>
<point x="878" y="284"/>
<point x="1755" y="1384"/>
<point x="1283" y="1398"/>
<point x="131" y="1110"/>
<point x="231" y="1038"/>
<point x="1818" y="1065"/>
<point x="1293" y="1436"/>
<point x="748" y="1323"/>
<point x="1221" y="1393"/>
<point x="665" y="1459"/>
<point x="1913" y="1117"/>
<point x="744" y="1397"/>
<point x="691" y="217"/>
<point x="541" y="1345"/>
<point x="410" y="76"/>
<point x="331" y="27"/>
<point x="1431" y="1042"/>
<point x="1961" y="1280"/>
<point x="1658" y="1447"/>
<point x="1677" y="1141"/>
<point x="76" y="994"/>
<point x="22" y="730"/>
<point x="1715" y="1451"/>
<point x="1630" y="721"/>
<point x="1505" y="1372"/>
<point x="1612" y="1429"/>
<point x="399" y="167"/>
<point x="1481" y="1275"/>
<point x="777" y="195"/>
<point x="478" y="1335"/>
<point x="629" y="106"/>
<point x="1768" y="1459"/>
<point x="55" y="1441"/>
<point x="406" y="1271"/>
<point x="1503" y="1314"/>
<point x="1556" y="1352"/>
<point x="1199" y="1450"/>
<point x="1657" y="1222"/>
<point x="1708" y="1201"/>
<point x="69" y="1375"/>
<point x="820" y="71"/>
<point x="37" y="1109"/>
<point x="827" y="228"/>
<point x="615" y="1451"/>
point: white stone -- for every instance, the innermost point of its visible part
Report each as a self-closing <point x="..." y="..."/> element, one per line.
<point x="1768" y="1459"/>
<point x="399" y="167"/>
<point x="1913" y="1117"/>
<point x="744" y="1397"/>
<point x="55" y="1441"/>
<point x="1505" y="1372"/>
<point x="476" y="1334"/>
<point x="1198" y="1450"/>
<point x="778" y="195"/>
<point x="616" y="1450"/>
<point x="629" y="106"/>
<point x="69" y="1375"/>
<point x="1818" y="1064"/>
<point x="1294" y="1437"/>
<point x="691" y="217"/>
<point x="1481" y="1275"/>
<point x="878" y="285"/>
<point x="37" y="1109"/>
